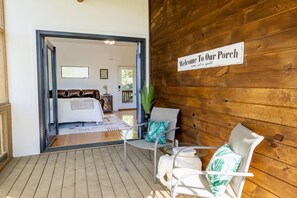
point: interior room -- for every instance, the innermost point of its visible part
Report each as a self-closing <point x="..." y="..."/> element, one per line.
<point x="96" y="55"/>
<point x="94" y="70"/>
<point x="148" y="98"/>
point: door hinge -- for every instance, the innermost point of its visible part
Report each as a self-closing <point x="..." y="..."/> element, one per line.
<point x="43" y="51"/>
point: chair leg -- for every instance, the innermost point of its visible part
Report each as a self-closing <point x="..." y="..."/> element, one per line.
<point x="150" y="156"/>
<point x="172" y="192"/>
<point x="173" y="195"/>
<point x="125" y="156"/>
<point x="155" y="166"/>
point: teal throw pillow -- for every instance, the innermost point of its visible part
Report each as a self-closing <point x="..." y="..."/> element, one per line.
<point x="224" y="160"/>
<point x="154" y="129"/>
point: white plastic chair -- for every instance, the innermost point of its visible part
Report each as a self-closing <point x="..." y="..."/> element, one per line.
<point x="158" y="114"/>
<point x="193" y="182"/>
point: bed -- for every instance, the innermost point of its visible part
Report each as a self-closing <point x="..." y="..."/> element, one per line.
<point x="78" y="110"/>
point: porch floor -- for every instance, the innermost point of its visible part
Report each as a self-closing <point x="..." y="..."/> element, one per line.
<point x="92" y="172"/>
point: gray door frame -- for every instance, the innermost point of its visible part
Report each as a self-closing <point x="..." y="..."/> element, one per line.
<point x="140" y="69"/>
<point x="51" y="131"/>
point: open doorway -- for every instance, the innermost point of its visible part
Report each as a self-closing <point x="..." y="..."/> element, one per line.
<point x="80" y="88"/>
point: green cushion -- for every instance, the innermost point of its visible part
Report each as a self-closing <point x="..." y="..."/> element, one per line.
<point x="154" y="129"/>
<point x="224" y="160"/>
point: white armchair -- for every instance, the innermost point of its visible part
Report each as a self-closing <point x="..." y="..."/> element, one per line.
<point x="158" y="114"/>
<point x="193" y="182"/>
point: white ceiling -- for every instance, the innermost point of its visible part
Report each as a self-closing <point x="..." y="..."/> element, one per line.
<point x="86" y="41"/>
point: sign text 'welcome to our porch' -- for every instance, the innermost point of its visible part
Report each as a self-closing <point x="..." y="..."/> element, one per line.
<point x="227" y="55"/>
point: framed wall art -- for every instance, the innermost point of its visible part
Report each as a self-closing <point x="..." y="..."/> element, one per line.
<point x="103" y="73"/>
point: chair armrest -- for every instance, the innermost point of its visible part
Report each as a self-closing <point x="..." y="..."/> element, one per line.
<point x="134" y="126"/>
<point x="236" y="174"/>
<point x="197" y="172"/>
<point x="193" y="147"/>
<point x="161" y="134"/>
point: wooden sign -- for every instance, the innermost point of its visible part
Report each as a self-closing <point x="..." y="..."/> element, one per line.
<point x="227" y="55"/>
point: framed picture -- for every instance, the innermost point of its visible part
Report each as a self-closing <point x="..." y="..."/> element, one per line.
<point x="103" y="73"/>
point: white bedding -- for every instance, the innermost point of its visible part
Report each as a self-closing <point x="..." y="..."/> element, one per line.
<point x="78" y="110"/>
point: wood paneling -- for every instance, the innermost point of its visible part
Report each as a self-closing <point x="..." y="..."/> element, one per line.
<point x="260" y="93"/>
<point x="5" y="109"/>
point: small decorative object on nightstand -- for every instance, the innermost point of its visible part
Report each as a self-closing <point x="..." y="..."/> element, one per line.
<point x="107" y="107"/>
<point x="105" y="87"/>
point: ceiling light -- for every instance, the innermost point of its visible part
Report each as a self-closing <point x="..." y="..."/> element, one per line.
<point x="108" y="42"/>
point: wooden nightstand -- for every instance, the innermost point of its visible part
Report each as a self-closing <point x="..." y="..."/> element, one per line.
<point x="107" y="106"/>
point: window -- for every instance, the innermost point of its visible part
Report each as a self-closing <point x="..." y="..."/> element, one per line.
<point x="74" y="72"/>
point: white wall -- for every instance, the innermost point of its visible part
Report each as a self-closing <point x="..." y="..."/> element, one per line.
<point x="23" y="17"/>
<point x="96" y="57"/>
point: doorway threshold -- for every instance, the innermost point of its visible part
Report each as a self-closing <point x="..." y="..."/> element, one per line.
<point x="81" y="146"/>
<point x="128" y="109"/>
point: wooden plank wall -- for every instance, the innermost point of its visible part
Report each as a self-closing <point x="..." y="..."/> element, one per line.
<point x="261" y="93"/>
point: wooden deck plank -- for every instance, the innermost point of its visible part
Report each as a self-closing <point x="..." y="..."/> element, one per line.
<point x="69" y="176"/>
<point x="105" y="184"/>
<point x="158" y="189"/>
<point x="149" y="164"/>
<point x="144" y="157"/>
<point x="20" y="183"/>
<point x="147" y="153"/>
<point x="144" y="187"/>
<point x="118" y="186"/>
<point x="81" y="188"/>
<point x="140" y="154"/>
<point x="96" y="172"/>
<point x="10" y="166"/>
<point x="13" y="176"/>
<point x="34" y="179"/>
<point x="92" y="177"/>
<point x="128" y="181"/>
<point x="57" y="181"/>
<point x="45" y="182"/>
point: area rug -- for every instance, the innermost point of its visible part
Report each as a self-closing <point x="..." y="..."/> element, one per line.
<point x="110" y="122"/>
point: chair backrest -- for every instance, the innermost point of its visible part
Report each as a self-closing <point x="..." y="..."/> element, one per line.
<point x="166" y="114"/>
<point x="243" y="141"/>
